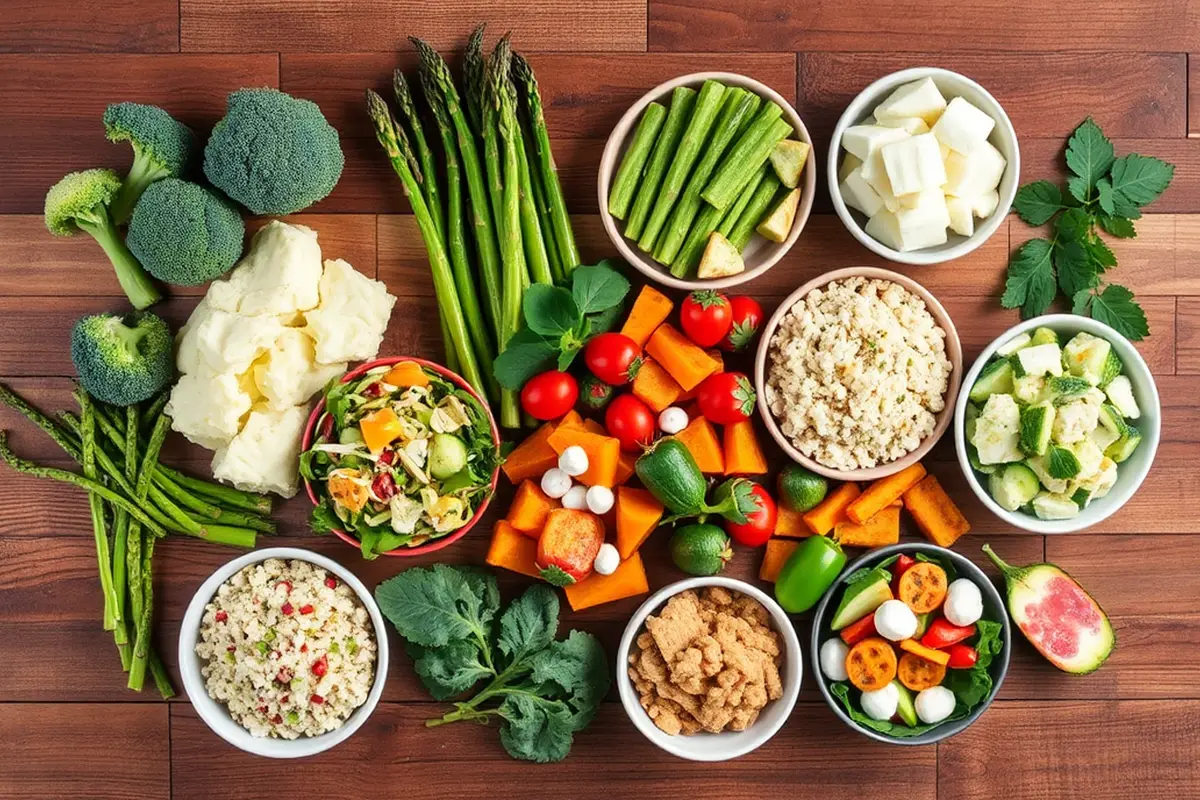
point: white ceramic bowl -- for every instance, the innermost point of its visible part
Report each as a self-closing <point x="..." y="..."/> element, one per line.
<point x="1003" y="137"/>
<point x="217" y="717"/>
<point x="727" y="744"/>
<point x="760" y="254"/>
<point x="1130" y="474"/>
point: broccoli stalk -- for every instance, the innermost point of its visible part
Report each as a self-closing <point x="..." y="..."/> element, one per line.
<point x="162" y="148"/>
<point x="122" y="359"/>
<point x="79" y="202"/>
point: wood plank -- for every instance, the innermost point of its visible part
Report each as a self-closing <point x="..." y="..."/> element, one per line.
<point x="244" y="26"/>
<point x="897" y="25"/>
<point x="84" y="750"/>
<point x="1188" y="332"/>
<point x="813" y="754"/>
<point x="52" y="107"/>
<point x="1108" y="568"/>
<point x="1193" y="95"/>
<point x="1098" y="750"/>
<point x="139" y="26"/>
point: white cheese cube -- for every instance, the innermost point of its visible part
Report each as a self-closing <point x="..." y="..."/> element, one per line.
<point x="858" y="194"/>
<point x="913" y="164"/>
<point x="265" y="455"/>
<point x="886" y="228"/>
<point x="986" y="203"/>
<point x="914" y="125"/>
<point x="917" y="99"/>
<point x="963" y="127"/>
<point x="353" y="315"/>
<point x="850" y="163"/>
<point x="875" y="175"/>
<point x="925" y="209"/>
<point x="975" y="174"/>
<point x="962" y="215"/>
<point x="945" y="151"/>
<point x="863" y="140"/>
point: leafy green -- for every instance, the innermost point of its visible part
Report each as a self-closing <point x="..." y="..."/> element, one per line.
<point x="598" y="288"/>
<point x="1104" y="193"/>
<point x="528" y="353"/>
<point x="550" y="310"/>
<point x="542" y="691"/>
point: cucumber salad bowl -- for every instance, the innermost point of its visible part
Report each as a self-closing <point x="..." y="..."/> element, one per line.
<point x="400" y="458"/>
<point x="1057" y="424"/>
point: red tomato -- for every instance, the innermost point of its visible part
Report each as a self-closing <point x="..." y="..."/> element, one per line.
<point x="631" y="422"/>
<point x="746" y="315"/>
<point x="962" y="656"/>
<point x="759" y="525"/>
<point x="706" y="317"/>
<point x="726" y="398"/>
<point x="613" y="358"/>
<point x="549" y="395"/>
<point x="903" y="564"/>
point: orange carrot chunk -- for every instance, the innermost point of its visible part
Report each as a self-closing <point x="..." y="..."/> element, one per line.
<point x="883" y="492"/>
<point x="935" y="513"/>
<point x="824" y="516"/>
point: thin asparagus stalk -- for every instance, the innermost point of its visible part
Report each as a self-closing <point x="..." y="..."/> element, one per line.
<point x="544" y="166"/>
<point x="156" y="406"/>
<point x="428" y="176"/>
<point x="688" y="257"/>
<point x="219" y="493"/>
<point x="744" y="160"/>
<point x="629" y="174"/>
<point x="236" y="519"/>
<point x="473" y="69"/>
<point x="734" y="212"/>
<point x="683" y="99"/>
<point x="752" y="214"/>
<point x="162" y="680"/>
<point x="202" y="508"/>
<point x="141" y="647"/>
<point x="543" y="211"/>
<point x="451" y="355"/>
<point x="536" y="255"/>
<point x="134" y="536"/>
<point x="103" y="556"/>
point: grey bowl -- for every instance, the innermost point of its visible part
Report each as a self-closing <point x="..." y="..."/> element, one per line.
<point x="993" y="608"/>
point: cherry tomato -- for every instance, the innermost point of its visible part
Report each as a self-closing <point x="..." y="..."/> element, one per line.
<point x="631" y="422"/>
<point x="706" y="317"/>
<point x="613" y="358"/>
<point x="747" y="316"/>
<point x="726" y="398"/>
<point x="759" y="525"/>
<point x="962" y="656"/>
<point x="549" y="395"/>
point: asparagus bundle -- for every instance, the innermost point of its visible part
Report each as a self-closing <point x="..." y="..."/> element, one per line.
<point x="134" y="501"/>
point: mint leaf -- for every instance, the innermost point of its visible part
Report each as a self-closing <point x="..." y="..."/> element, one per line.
<point x="1141" y="179"/>
<point x="1116" y="226"/>
<point x="437" y="605"/>
<point x="1037" y="202"/>
<point x="1078" y="187"/>
<point x="526" y="355"/>
<point x="1075" y="269"/>
<point x="1116" y="308"/>
<point x="528" y="624"/>
<point x="1123" y="207"/>
<point x="1030" y="284"/>
<point x="1089" y="154"/>
<point x="1081" y="301"/>
<point x="549" y="310"/>
<point x="598" y="288"/>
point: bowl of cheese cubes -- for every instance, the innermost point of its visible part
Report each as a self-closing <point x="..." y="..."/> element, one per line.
<point x="1057" y="424"/>
<point x="923" y="166"/>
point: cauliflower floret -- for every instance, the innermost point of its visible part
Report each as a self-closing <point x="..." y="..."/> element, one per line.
<point x="288" y="375"/>
<point x="265" y="456"/>
<point x="406" y="513"/>
<point x="1052" y="484"/>
<point x="1100" y="482"/>
<point x="1090" y="458"/>
<point x="224" y="342"/>
<point x="1074" y="421"/>
<point x="997" y="431"/>
<point x="278" y="276"/>
<point x="350" y="322"/>
<point x="207" y="407"/>
<point x="1028" y="389"/>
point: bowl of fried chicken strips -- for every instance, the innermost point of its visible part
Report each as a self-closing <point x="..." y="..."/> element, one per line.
<point x="709" y="668"/>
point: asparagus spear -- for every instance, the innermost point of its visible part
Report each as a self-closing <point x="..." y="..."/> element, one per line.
<point x="536" y="255"/>
<point x="395" y="144"/>
<point x="428" y="175"/>
<point x="689" y="255"/>
<point x="473" y="68"/>
<point x="543" y="209"/>
<point x="620" y="194"/>
<point x="744" y="160"/>
<point x="683" y="99"/>
<point x="450" y="354"/>
<point x="734" y="212"/>
<point x="96" y="501"/>
<point x="544" y="166"/>
<point x="752" y="214"/>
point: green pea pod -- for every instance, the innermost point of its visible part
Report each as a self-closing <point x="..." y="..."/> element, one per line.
<point x="808" y="573"/>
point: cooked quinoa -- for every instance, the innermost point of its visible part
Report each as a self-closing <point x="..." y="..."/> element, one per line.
<point x="288" y="648"/>
<point x="857" y="372"/>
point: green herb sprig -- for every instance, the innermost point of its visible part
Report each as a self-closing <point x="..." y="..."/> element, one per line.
<point x="1104" y="193"/>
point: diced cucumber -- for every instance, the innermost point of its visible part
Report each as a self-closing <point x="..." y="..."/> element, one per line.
<point x="1111" y="419"/>
<point x="1041" y="467"/>
<point x="1112" y="368"/>
<point x="1044" y="336"/>
<point x="969" y="418"/>
<point x="1085" y="356"/>
<point x="1062" y="463"/>
<point x="995" y="378"/>
<point x="1054" y="506"/>
<point x="349" y="435"/>
<point x="1123" y="448"/>
<point x="1102" y="437"/>
<point x="1041" y="359"/>
<point x="1018" y="368"/>
<point x="1062" y="389"/>
<point x="1036" y="422"/>
<point x="998" y="431"/>
<point x="1090" y="455"/>
<point x="1120" y="394"/>
<point x="1028" y="389"/>
<point x="1013" y="485"/>
<point x="1081" y="497"/>
<point x="1014" y="344"/>
<point x="976" y="464"/>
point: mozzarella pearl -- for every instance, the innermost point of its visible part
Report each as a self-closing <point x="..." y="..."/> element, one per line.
<point x="573" y="461"/>
<point x="894" y="620"/>
<point x="576" y="498"/>
<point x="599" y="499"/>
<point x="964" y="602"/>
<point x="556" y="483"/>
<point x="832" y="656"/>
<point x="933" y="704"/>
<point x="672" y="420"/>
<point x="882" y="703"/>
<point x="607" y="560"/>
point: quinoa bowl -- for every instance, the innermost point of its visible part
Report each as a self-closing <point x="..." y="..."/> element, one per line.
<point x="283" y="653"/>
<point x="833" y="411"/>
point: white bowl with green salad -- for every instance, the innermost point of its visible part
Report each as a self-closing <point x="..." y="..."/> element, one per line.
<point x="1057" y="424"/>
<point x="707" y="181"/>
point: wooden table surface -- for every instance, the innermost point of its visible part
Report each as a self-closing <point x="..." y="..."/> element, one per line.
<point x="69" y="727"/>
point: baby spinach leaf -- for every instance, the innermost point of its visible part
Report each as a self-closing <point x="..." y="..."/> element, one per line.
<point x="550" y="310"/>
<point x="598" y="288"/>
<point x="527" y="354"/>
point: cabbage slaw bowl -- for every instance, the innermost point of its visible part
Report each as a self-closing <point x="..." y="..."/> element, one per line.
<point x="435" y="544"/>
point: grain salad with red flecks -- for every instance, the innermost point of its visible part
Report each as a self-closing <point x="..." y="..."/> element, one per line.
<point x="288" y="648"/>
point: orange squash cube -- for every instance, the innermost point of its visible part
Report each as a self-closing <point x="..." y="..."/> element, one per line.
<point x="603" y="452"/>
<point x="650" y="310"/>
<point x="529" y="508"/>
<point x="638" y="514"/>
<point x="596" y="589"/>
<point x="532" y="457"/>
<point x="686" y="363"/>
<point x="700" y="438"/>
<point x="512" y="550"/>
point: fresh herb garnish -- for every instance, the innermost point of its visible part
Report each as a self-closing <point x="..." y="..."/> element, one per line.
<point x="1103" y="193"/>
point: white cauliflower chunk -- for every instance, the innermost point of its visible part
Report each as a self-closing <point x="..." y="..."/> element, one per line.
<point x="1028" y="388"/>
<point x="1074" y="421"/>
<point x="353" y="314"/>
<point x="406" y="513"/>
<point x="998" y="430"/>
<point x="227" y="342"/>
<point x="265" y="455"/>
<point x="288" y="374"/>
<point x="278" y="276"/>
<point x="207" y="407"/>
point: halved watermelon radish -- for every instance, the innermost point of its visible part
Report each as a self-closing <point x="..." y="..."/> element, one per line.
<point x="1057" y="616"/>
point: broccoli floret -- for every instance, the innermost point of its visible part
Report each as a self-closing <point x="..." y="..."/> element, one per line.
<point x="184" y="233"/>
<point x="122" y="359"/>
<point x="162" y="148"/>
<point x="273" y="153"/>
<point x="78" y="202"/>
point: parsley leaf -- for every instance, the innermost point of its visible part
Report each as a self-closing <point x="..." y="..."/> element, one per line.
<point x="1030" y="283"/>
<point x="1037" y="202"/>
<point x="1116" y="308"/>
<point x="1089" y="155"/>
<point x="1075" y="269"/>
<point x="1140" y="179"/>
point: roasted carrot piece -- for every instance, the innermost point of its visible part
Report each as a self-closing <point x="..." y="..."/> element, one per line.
<point x="918" y="674"/>
<point x="650" y="310"/>
<point x="687" y="363"/>
<point x="775" y="555"/>
<point x="822" y="517"/>
<point x="939" y="657"/>
<point x="923" y="587"/>
<point x="935" y="513"/>
<point x="597" y="589"/>
<point x="654" y="386"/>
<point x="881" y="529"/>
<point x="883" y="492"/>
<point x="790" y="524"/>
<point x="871" y="664"/>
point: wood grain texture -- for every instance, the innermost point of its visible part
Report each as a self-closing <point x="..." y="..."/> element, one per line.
<point x="1187" y="353"/>
<point x="246" y="26"/>
<point x="134" y="26"/>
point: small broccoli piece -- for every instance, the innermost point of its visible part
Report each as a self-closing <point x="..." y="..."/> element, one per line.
<point x="162" y="148"/>
<point x="273" y="153"/>
<point x="122" y="359"/>
<point x="78" y="202"/>
<point x="185" y="234"/>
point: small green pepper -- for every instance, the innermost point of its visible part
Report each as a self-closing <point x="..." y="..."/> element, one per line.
<point x="808" y="573"/>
